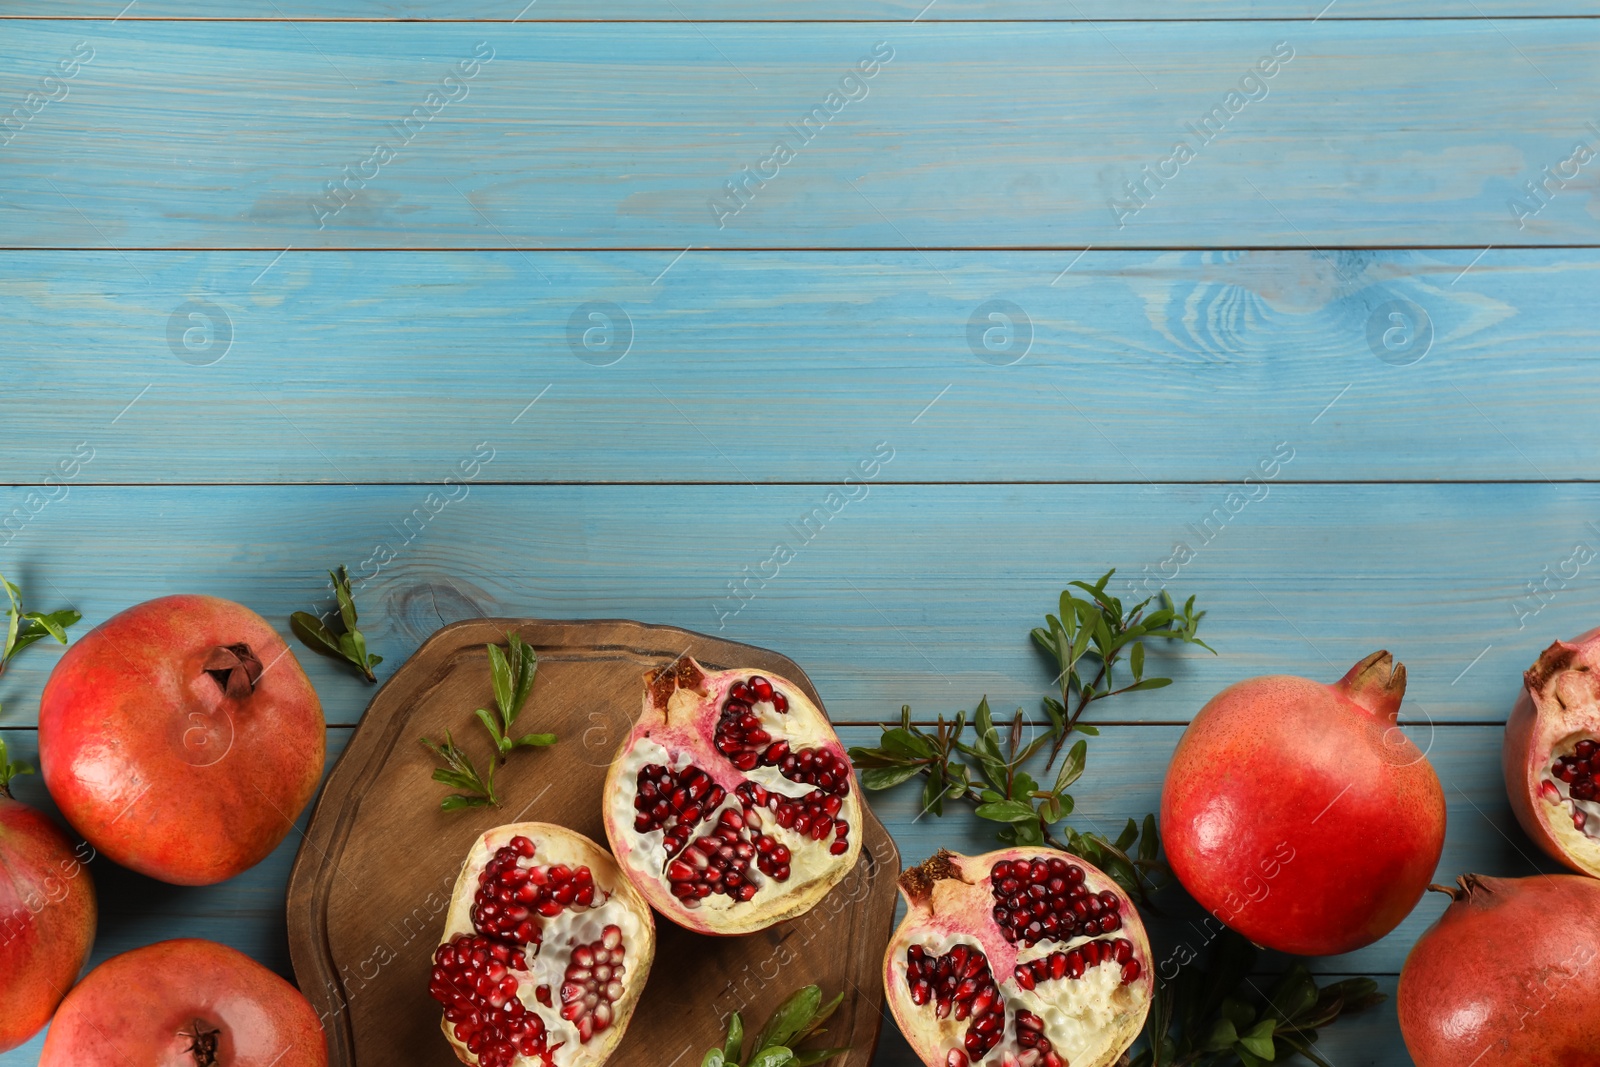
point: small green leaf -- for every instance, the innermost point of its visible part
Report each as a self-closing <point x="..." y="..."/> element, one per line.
<point x="812" y="1057"/>
<point x="1006" y="811"/>
<point x="886" y="777"/>
<point x="504" y="684"/>
<point x="456" y="803"/>
<point x="535" y="740"/>
<point x="1222" y="1036"/>
<point x="1072" y="766"/>
<point x="1259" y="1039"/>
<point x="1129" y="835"/>
<point x="1136" y="661"/>
<point x="309" y="629"/>
<point x="733" y="1047"/>
<point x="1150" y="840"/>
<point x="790" y="1018"/>
<point x="347" y="602"/>
<point x="773" y="1056"/>
<point x="714" y="1058"/>
<point x="492" y="726"/>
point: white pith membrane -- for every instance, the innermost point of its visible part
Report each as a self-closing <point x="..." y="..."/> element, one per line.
<point x="617" y="904"/>
<point x="1582" y="842"/>
<point x="1087" y="1021"/>
<point x="682" y="733"/>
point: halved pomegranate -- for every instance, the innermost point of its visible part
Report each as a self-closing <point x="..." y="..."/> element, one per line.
<point x="1025" y="957"/>
<point x="1552" y="752"/>
<point x="730" y="804"/>
<point x="545" y="952"/>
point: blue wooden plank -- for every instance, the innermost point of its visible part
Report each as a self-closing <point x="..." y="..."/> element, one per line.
<point x="972" y="135"/>
<point x="785" y="366"/>
<point x="920" y="595"/>
<point x="808" y="11"/>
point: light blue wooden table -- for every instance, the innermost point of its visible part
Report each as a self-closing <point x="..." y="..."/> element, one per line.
<point x="271" y="269"/>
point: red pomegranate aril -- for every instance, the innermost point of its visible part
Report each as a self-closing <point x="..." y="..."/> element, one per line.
<point x="521" y="909"/>
<point x="951" y="898"/>
<point x="1028" y="909"/>
<point x="484" y="1013"/>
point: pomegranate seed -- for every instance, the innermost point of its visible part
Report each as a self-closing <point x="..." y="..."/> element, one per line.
<point x="1046" y="899"/>
<point x="482" y="1009"/>
<point x="593" y="983"/>
<point x="959" y="983"/>
<point x="511" y="897"/>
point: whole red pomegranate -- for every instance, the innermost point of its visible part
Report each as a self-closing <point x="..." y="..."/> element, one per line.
<point x="1506" y="977"/>
<point x="1551" y="756"/>
<point x="47" y="914"/>
<point x="545" y="952"/>
<point x="181" y="738"/>
<point x="187" y="1003"/>
<point x="1026" y="957"/>
<point x="729" y="805"/>
<point x="1300" y="815"/>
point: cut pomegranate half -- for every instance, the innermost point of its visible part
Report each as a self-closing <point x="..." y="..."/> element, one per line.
<point x="731" y="804"/>
<point x="1552" y="752"/>
<point x="546" y="949"/>
<point x="1025" y="957"/>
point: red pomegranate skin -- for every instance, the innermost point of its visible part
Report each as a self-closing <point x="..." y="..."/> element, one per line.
<point x="1507" y="976"/>
<point x="47" y="919"/>
<point x="148" y="1006"/>
<point x="1299" y="815"/>
<point x="150" y="758"/>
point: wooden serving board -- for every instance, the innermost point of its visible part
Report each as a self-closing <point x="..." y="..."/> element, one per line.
<point x="372" y="881"/>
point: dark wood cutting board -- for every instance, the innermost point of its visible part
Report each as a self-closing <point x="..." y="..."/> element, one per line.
<point x="372" y="880"/>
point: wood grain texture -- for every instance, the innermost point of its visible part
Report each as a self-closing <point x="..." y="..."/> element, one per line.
<point x="788" y="366"/>
<point x="366" y="905"/>
<point x="183" y="134"/>
<point x="912" y="594"/>
<point x="802" y="10"/>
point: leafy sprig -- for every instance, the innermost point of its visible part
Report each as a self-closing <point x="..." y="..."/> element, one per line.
<point x="459" y="772"/>
<point x="1088" y="640"/>
<point x="797" y="1019"/>
<point x="349" y="644"/>
<point x="513" y="672"/>
<point x="1206" y="1017"/>
<point x="1092" y="634"/>
<point x="23" y="628"/>
<point x="9" y="770"/>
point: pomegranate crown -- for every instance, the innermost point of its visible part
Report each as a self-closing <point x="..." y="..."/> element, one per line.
<point x="682" y="673"/>
<point x="1378" y="684"/>
<point x="1560" y="656"/>
<point x="916" y="883"/>
<point x="1468" y="888"/>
